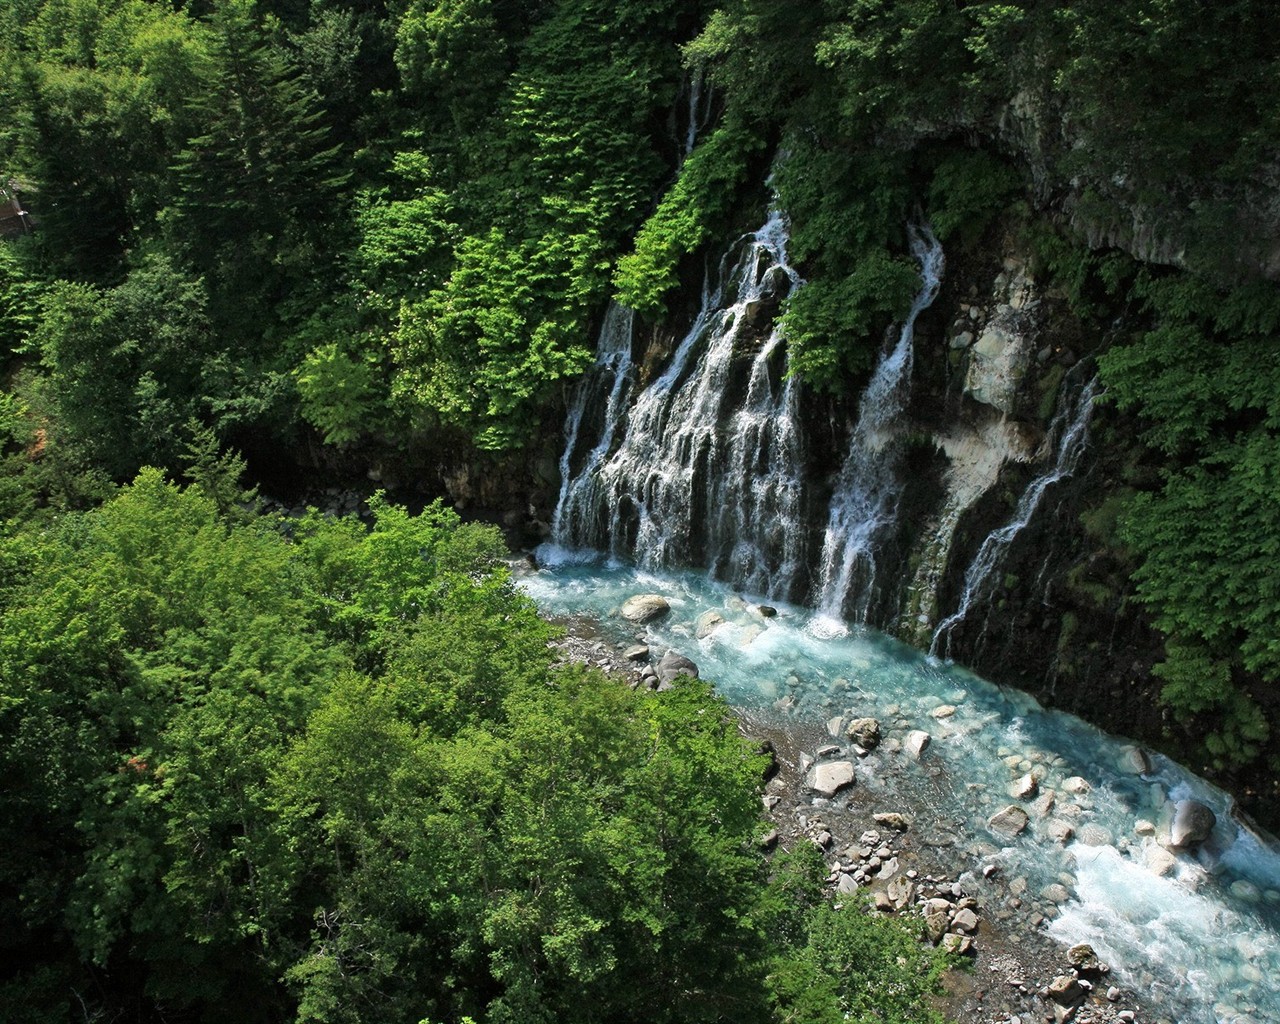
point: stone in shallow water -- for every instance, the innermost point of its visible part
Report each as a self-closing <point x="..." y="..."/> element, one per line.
<point x="1192" y="823"/>
<point x="943" y="711"/>
<point x="865" y="732"/>
<point x="707" y="624"/>
<point x="637" y="652"/>
<point x="1025" y="788"/>
<point x="1075" y="784"/>
<point x="916" y="743"/>
<point x="645" y="607"/>
<point x="673" y="665"/>
<point x="831" y="777"/>
<point x="1009" y="822"/>
<point x="1093" y="834"/>
<point x="1160" y="861"/>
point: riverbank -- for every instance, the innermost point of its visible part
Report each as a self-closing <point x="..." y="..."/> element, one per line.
<point x="879" y="846"/>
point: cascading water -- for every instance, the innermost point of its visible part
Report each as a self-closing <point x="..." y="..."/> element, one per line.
<point x="706" y="469"/>
<point x="867" y="490"/>
<point x="606" y="389"/>
<point x="1069" y="436"/>
<point x="1196" y="933"/>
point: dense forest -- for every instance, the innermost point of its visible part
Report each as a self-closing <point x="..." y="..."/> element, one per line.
<point x="267" y="769"/>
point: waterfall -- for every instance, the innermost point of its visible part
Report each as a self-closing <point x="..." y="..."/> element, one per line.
<point x="1068" y="434"/>
<point x="867" y="489"/>
<point x="706" y="467"/>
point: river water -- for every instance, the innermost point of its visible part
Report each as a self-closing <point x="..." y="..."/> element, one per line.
<point x="1201" y="941"/>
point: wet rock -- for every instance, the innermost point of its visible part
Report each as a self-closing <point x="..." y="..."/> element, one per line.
<point x="767" y="611"/>
<point x="637" y="652"/>
<point x="1083" y="958"/>
<point x="1025" y="788"/>
<point x="966" y="921"/>
<point x="707" y="624"/>
<point x="1160" y="861"/>
<point x="943" y="711"/>
<point x="865" y="732"/>
<point x="830" y="777"/>
<point x="835" y="726"/>
<point x="917" y="742"/>
<point x="674" y="665"/>
<point x="1192" y="824"/>
<point x="1075" y="784"/>
<point x="1043" y="804"/>
<point x="643" y="608"/>
<point x="892" y="819"/>
<point x="1093" y="834"/>
<point x="1135" y="761"/>
<point x="1059" y="831"/>
<point x="1008" y="822"/>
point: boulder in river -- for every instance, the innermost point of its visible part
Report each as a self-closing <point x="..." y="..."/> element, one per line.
<point x="916" y="743"/>
<point x="865" y="732"/>
<point x="673" y="665"/>
<point x="830" y="777"/>
<point x="1009" y="822"/>
<point x="1192" y="824"/>
<point x="643" y="608"/>
<point x="707" y="624"/>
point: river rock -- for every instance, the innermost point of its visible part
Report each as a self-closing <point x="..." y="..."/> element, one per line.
<point x="835" y="726"/>
<point x="1160" y="861"/>
<point x="943" y="711"/>
<point x="959" y="944"/>
<point x="674" y="665"/>
<point x="1061" y="832"/>
<point x="1009" y="822"/>
<point x="1065" y="990"/>
<point x="1043" y="804"/>
<point x="894" y="820"/>
<point x="1083" y="958"/>
<point x="707" y="624"/>
<point x="901" y="891"/>
<point x="965" y="920"/>
<point x="767" y="611"/>
<point x="1075" y="784"/>
<point x="917" y="742"/>
<point x="1135" y="761"/>
<point x="830" y="777"/>
<point x="937" y="916"/>
<point x="847" y="885"/>
<point x="865" y="732"/>
<point x="1025" y="788"/>
<point x="1192" y="824"/>
<point x="643" y="608"/>
<point x="636" y="652"/>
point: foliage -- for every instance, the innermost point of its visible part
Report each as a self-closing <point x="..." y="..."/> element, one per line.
<point x="1203" y="383"/>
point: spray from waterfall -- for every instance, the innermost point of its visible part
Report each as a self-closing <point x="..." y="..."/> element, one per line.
<point x="866" y="494"/>
<point x="1068" y="435"/>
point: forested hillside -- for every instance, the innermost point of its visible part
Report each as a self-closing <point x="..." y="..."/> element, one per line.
<point x="266" y="770"/>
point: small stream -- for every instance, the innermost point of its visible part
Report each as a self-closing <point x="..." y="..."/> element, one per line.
<point x="1201" y="941"/>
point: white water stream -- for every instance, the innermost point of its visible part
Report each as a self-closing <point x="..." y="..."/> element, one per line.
<point x="866" y="495"/>
<point x="1202" y="942"/>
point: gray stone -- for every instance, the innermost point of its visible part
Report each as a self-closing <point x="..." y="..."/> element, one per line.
<point x="1065" y="990"/>
<point x="958" y="944"/>
<point x="637" y="652"/>
<point x="1160" y="861"/>
<point x="1008" y="822"/>
<point x="1025" y="788"/>
<point x="1075" y="784"/>
<point x="1135" y="761"/>
<point x="645" y="608"/>
<point x="894" y="820"/>
<point x="1083" y="958"/>
<point x="1059" y="831"/>
<point x="707" y="624"/>
<point x="830" y="777"/>
<point x="769" y="839"/>
<point x="901" y="891"/>
<point x="767" y="611"/>
<point x="937" y="916"/>
<point x="835" y="726"/>
<point x="917" y="742"/>
<point x="846" y="885"/>
<point x="674" y="665"/>
<point x="966" y="920"/>
<point x="865" y="732"/>
<point x="1192" y="824"/>
<point x="943" y="711"/>
<point x="1043" y="804"/>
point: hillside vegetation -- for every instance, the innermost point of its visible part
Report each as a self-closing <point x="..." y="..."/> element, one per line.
<point x="256" y="766"/>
